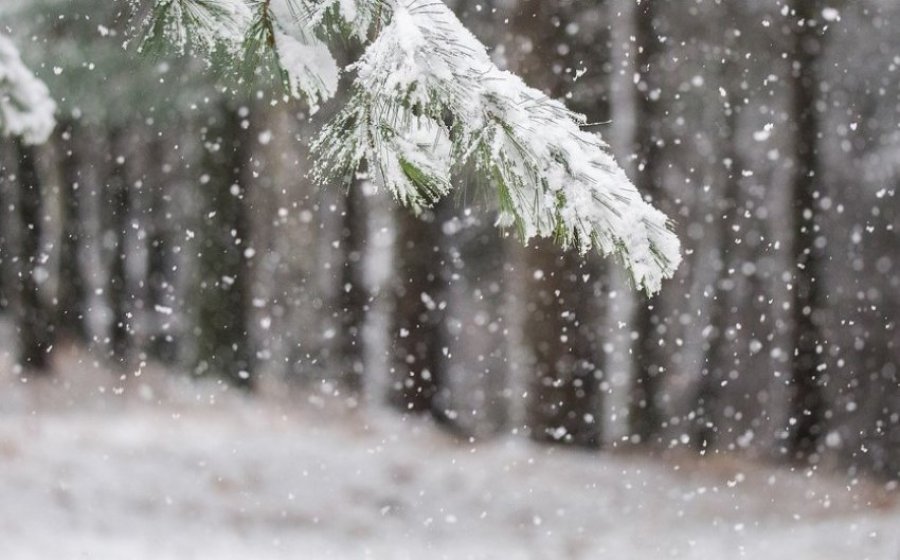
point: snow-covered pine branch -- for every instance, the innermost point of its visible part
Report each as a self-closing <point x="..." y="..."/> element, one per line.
<point x="26" y="108"/>
<point x="427" y="99"/>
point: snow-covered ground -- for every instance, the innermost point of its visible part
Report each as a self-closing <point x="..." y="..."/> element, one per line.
<point x="96" y="467"/>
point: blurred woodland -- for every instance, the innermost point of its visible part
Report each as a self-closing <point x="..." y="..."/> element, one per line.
<point x="170" y="219"/>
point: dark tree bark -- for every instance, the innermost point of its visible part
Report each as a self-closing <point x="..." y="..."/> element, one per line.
<point x="354" y="296"/>
<point x="562" y="332"/>
<point x="7" y="276"/>
<point x="565" y="402"/>
<point x="417" y="364"/>
<point x="475" y="397"/>
<point x="807" y="404"/>
<point x="223" y="306"/>
<point x="717" y="361"/>
<point x="118" y="201"/>
<point x="72" y="292"/>
<point x="650" y="358"/>
<point x="160" y="261"/>
<point x="34" y="325"/>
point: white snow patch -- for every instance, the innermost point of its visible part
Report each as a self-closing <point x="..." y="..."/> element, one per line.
<point x="177" y="470"/>
<point x="26" y="108"/>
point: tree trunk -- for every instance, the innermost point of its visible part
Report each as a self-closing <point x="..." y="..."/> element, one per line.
<point x="161" y="262"/>
<point x="417" y="364"/>
<point x="34" y="326"/>
<point x="717" y="362"/>
<point x="354" y="296"/>
<point x="118" y="200"/>
<point x="562" y="331"/>
<point x="7" y="276"/>
<point x="565" y="402"/>
<point x="223" y="341"/>
<point x="650" y="359"/>
<point x="72" y="293"/>
<point x="807" y="404"/>
<point x="715" y="367"/>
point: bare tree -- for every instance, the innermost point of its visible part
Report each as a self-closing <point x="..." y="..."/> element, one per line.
<point x="223" y="338"/>
<point x="417" y="361"/>
<point x="717" y="362"/>
<point x="807" y="405"/>
<point x="7" y="192"/>
<point x="34" y="325"/>
<point x="161" y="262"/>
<point x="562" y="327"/>
<point x="72" y="292"/>
<point x="354" y="297"/>
<point x="645" y="414"/>
<point x="118" y="204"/>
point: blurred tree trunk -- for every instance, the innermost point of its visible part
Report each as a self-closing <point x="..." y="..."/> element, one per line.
<point x="354" y="296"/>
<point x="34" y="325"/>
<point x="7" y="276"/>
<point x="807" y="404"/>
<point x="716" y="365"/>
<point x="161" y="263"/>
<point x="417" y="341"/>
<point x="72" y="292"/>
<point x="223" y="305"/>
<point x="717" y="362"/>
<point x="118" y="200"/>
<point x="419" y="336"/>
<point x="879" y="438"/>
<point x="475" y="394"/>
<point x="565" y="400"/>
<point x="650" y="359"/>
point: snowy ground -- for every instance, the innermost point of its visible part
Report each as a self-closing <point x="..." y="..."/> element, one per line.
<point x="169" y="471"/>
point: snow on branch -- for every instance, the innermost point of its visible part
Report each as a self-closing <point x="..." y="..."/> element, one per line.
<point x="203" y="24"/>
<point x="427" y="79"/>
<point x="303" y="61"/>
<point x="251" y="32"/>
<point x="427" y="99"/>
<point x="26" y="108"/>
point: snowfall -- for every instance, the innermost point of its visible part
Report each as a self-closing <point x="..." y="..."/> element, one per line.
<point x="149" y="466"/>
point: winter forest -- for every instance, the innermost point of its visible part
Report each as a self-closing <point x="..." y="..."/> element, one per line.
<point x="461" y="279"/>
